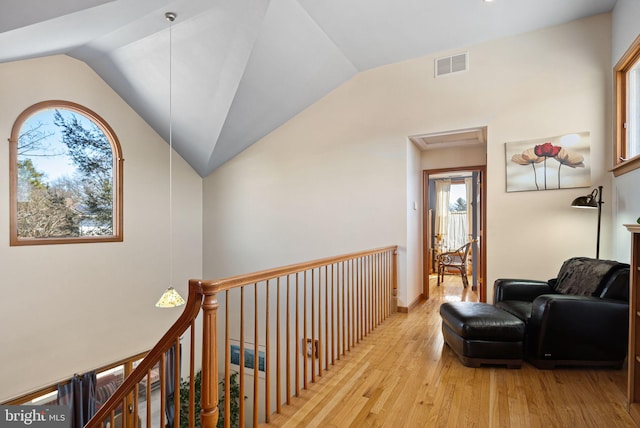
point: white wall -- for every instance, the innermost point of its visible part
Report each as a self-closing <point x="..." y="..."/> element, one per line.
<point x="454" y="157"/>
<point x="70" y="308"/>
<point x="414" y="224"/>
<point x="334" y="178"/>
<point x="626" y="188"/>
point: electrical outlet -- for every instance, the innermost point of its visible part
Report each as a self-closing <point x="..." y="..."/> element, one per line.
<point x="311" y="348"/>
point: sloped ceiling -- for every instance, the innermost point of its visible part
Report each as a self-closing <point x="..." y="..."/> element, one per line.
<point x="241" y="68"/>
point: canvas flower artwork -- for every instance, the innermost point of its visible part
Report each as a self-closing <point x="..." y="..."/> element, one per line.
<point x="560" y="162"/>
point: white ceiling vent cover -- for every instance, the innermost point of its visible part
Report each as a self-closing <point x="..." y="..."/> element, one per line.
<point x="452" y="64"/>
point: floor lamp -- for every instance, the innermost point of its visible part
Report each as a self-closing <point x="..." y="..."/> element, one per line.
<point x="589" y="201"/>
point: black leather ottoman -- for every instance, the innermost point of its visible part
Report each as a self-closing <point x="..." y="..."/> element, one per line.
<point x="479" y="333"/>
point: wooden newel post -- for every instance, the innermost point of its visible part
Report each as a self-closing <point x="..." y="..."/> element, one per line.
<point x="209" y="392"/>
<point x="394" y="279"/>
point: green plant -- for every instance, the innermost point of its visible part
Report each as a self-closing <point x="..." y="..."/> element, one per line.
<point x="234" y="405"/>
<point x="234" y="389"/>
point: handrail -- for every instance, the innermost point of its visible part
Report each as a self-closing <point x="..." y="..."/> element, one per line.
<point x="245" y="279"/>
<point x="192" y="308"/>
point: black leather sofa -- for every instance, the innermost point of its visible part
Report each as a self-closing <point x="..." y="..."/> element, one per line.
<point x="579" y="318"/>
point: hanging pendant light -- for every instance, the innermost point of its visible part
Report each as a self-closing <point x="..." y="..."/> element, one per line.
<point x="170" y="298"/>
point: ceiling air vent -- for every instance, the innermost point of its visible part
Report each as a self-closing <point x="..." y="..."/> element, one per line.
<point x="452" y="64"/>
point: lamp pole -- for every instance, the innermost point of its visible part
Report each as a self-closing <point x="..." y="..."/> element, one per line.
<point x="599" y="219"/>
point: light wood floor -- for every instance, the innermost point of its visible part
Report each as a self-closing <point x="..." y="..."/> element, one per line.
<point x="403" y="375"/>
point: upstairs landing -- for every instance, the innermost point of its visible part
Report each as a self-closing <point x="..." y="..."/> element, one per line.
<point x="402" y="376"/>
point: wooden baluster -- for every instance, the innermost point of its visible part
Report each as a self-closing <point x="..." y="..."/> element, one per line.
<point x="381" y="285"/>
<point x="326" y="316"/>
<point x="241" y="375"/>
<point x="385" y="296"/>
<point x="379" y="288"/>
<point x="305" y="361"/>
<point x="333" y="321"/>
<point x="359" y="300"/>
<point x="378" y="291"/>
<point x="347" y="306"/>
<point x="127" y="401"/>
<point x="313" y="328"/>
<point x="278" y="375"/>
<point x="176" y="384"/>
<point x="163" y="391"/>
<point x="192" y="374"/>
<point x="372" y="294"/>
<point x="381" y="297"/>
<point x="267" y="357"/>
<point x="288" y="339"/>
<point x="363" y="297"/>
<point x="386" y="285"/>
<point x="148" y="398"/>
<point x="136" y="391"/>
<point x="394" y="280"/>
<point x="227" y="363"/>
<point x="209" y="382"/>
<point x="256" y="325"/>
<point x="340" y="293"/>
<point x="385" y="275"/>
<point x="320" y="344"/>
<point x="367" y="287"/>
<point x="343" y="288"/>
<point x="381" y="280"/>
<point x="352" y="302"/>
<point x="297" y="335"/>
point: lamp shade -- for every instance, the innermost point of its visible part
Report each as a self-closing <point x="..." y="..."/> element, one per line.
<point x="170" y="299"/>
<point x="588" y="201"/>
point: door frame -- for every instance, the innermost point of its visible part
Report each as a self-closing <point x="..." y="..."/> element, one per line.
<point x="426" y="241"/>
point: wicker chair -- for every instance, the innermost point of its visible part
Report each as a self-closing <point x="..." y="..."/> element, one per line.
<point x="456" y="259"/>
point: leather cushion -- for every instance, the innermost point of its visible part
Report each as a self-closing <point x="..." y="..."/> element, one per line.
<point x="520" y="309"/>
<point x="475" y="320"/>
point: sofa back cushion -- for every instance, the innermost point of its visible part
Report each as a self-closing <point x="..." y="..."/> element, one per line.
<point x="617" y="285"/>
<point x="583" y="276"/>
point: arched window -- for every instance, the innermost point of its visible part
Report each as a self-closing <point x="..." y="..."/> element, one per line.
<point x="66" y="176"/>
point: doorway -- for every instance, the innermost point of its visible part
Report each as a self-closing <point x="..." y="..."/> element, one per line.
<point x="454" y="204"/>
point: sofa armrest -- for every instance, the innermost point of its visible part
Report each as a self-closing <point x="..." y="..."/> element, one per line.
<point x="572" y="327"/>
<point x="519" y="289"/>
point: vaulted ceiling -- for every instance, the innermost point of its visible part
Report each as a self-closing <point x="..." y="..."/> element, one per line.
<point x="241" y="68"/>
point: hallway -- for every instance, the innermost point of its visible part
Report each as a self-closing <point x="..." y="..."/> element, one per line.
<point x="402" y="375"/>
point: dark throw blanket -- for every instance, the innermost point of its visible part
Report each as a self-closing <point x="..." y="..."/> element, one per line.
<point x="582" y="276"/>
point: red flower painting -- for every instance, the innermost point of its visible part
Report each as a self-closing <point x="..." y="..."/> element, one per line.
<point x="535" y="156"/>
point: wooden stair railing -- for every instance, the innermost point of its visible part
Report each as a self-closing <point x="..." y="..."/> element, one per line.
<point x="201" y="297"/>
<point x="293" y="324"/>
